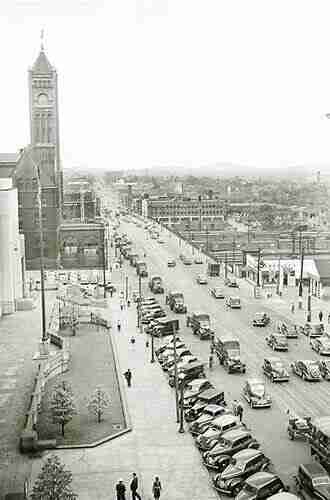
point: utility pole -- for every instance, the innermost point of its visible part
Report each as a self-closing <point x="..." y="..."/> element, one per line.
<point x="182" y="385"/>
<point x="140" y="304"/>
<point x="226" y="271"/>
<point x="301" y="278"/>
<point x="309" y="302"/>
<point x="175" y="374"/>
<point x="258" y="272"/>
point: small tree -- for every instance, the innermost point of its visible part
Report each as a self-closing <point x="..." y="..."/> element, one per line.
<point x="53" y="482"/>
<point x="98" y="402"/>
<point x="62" y="404"/>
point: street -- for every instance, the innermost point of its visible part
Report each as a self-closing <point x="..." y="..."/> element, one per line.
<point x="268" y="425"/>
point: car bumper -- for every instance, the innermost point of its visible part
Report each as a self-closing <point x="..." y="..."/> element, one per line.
<point x="261" y="404"/>
<point x="325" y="353"/>
<point x="280" y="348"/>
<point x="281" y="379"/>
<point x="312" y="379"/>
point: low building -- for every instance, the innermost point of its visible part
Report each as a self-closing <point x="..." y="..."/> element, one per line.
<point x="179" y="211"/>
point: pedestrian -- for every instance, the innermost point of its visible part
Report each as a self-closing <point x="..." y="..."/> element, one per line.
<point x="111" y="292"/>
<point x="212" y="349"/>
<point x="134" y="486"/>
<point x="292" y="307"/>
<point x="309" y="317"/>
<point x="128" y="303"/>
<point x="210" y="361"/>
<point x="118" y="325"/>
<point x="235" y="405"/>
<point x="329" y="318"/>
<point x="121" y="305"/>
<point x="120" y="489"/>
<point x="239" y="412"/>
<point x="133" y="340"/>
<point x="156" y="488"/>
<point x="320" y="316"/>
<point x="128" y="376"/>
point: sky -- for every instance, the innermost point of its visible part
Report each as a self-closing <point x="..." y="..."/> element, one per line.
<point x="146" y="83"/>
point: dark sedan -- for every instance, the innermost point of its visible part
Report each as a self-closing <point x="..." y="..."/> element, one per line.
<point x="307" y="369"/>
<point x="274" y="369"/>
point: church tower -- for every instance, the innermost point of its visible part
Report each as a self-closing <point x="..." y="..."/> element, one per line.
<point x="42" y="156"/>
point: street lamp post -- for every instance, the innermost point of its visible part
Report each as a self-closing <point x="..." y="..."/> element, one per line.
<point x="152" y="349"/>
<point x="104" y="265"/>
<point x="301" y="278"/>
<point x="44" y="336"/>
<point x="309" y="301"/>
<point x="182" y="385"/>
<point x="175" y="374"/>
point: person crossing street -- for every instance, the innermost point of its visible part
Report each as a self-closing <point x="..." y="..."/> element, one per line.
<point x="134" y="486"/>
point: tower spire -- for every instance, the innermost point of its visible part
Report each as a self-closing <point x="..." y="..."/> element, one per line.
<point x="42" y="33"/>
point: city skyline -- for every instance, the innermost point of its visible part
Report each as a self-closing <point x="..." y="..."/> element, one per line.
<point x="160" y="83"/>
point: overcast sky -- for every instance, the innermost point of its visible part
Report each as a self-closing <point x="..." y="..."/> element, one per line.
<point x="174" y="82"/>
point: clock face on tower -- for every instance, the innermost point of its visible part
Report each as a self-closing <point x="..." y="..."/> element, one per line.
<point x="42" y="99"/>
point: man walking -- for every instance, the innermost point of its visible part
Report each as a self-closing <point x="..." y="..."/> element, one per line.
<point x="134" y="487"/>
<point x="128" y="376"/>
<point x="292" y="307"/>
<point x="120" y="489"/>
<point x="239" y="411"/>
<point x="320" y="316"/>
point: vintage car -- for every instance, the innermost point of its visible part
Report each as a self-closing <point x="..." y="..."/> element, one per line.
<point x="198" y="260"/>
<point x="231" y="282"/>
<point x="171" y="263"/>
<point x="189" y="373"/>
<point x="201" y="279"/>
<point x="274" y="369"/>
<point x="277" y="342"/>
<point x="299" y="427"/>
<point x="210" y="413"/>
<point x="307" y="369"/>
<point x="290" y="331"/>
<point x="170" y="343"/>
<point x="182" y="363"/>
<point x="324" y="367"/>
<point x="244" y="463"/>
<point x="207" y="398"/>
<point x="227" y="350"/>
<point x="169" y="350"/>
<point x="193" y="389"/>
<point x="230" y="443"/>
<point x="181" y="354"/>
<point x="217" y="292"/>
<point x="313" y="481"/>
<point x="255" y="393"/>
<point x="313" y="329"/>
<point x="321" y="345"/>
<point x="261" y="485"/>
<point x="261" y="319"/>
<point x="233" y="302"/>
<point x="210" y="436"/>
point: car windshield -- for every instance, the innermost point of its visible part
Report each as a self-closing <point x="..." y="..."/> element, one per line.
<point x="217" y="290"/>
<point x="260" y="315"/>
<point x="235" y="301"/>
<point x="312" y="364"/>
<point x="318" y="481"/>
<point x="277" y="365"/>
<point x="249" y="488"/>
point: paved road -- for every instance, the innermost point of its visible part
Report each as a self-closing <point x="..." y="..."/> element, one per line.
<point x="269" y="426"/>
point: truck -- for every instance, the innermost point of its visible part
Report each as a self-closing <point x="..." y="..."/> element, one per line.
<point x="213" y="269"/>
<point x="320" y="441"/>
<point x="175" y="300"/>
<point x="200" y="324"/>
<point x="155" y="284"/>
<point x="227" y="350"/>
<point x="141" y="269"/>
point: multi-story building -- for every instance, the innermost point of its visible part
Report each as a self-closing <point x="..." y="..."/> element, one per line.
<point x="41" y="160"/>
<point x="12" y="264"/>
<point x="196" y="214"/>
<point x="80" y="202"/>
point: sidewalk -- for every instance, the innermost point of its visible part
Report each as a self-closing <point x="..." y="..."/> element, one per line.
<point x="19" y="337"/>
<point x="154" y="447"/>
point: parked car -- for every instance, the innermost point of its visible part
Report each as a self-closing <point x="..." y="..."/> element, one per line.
<point x="194" y="388"/>
<point x="227" y="350"/>
<point x="307" y="369"/>
<point x="261" y="319"/>
<point x="185" y="361"/>
<point x="187" y="261"/>
<point x="254" y="392"/>
<point x="277" y="342"/>
<point x="313" y="481"/>
<point x="200" y="324"/>
<point x="231" y="282"/>
<point x="233" y="302"/>
<point x="260" y="486"/>
<point x="171" y="263"/>
<point x="207" y="398"/>
<point x="313" y="329"/>
<point x="198" y="260"/>
<point x="168" y="344"/>
<point x="242" y="465"/>
<point x="180" y="354"/>
<point x="324" y="367"/>
<point x="321" y="345"/>
<point x="274" y="369"/>
<point x="209" y="414"/>
<point x="169" y="350"/>
<point x="230" y="443"/>
<point x="290" y="331"/>
<point x="166" y="326"/>
<point x="210" y="436"/>
<point x="201" y="279"/>
<point x="190" y="373"/>
<point x="217" y="292"/>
